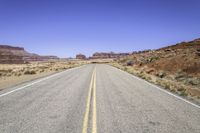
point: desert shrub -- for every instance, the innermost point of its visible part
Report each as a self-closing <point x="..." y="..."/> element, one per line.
<point x="52" y="62"/>
<point x="41" y="71"/>
<point x="9" y="70"/>
<point x="153" y="58"/>
<point x="194" y="81"/>
<point x="28" y="72"/>
<point x="122" y="60"/>
<point x="180" y="75"/>
<point x="129" y="63"/>
<point x="125" y="68"/>
<point x="167" y="86"/>
<point x="198" y="52"/>
<point x="172" y="90"/>
<point x="148" y="78"/>
<point x="183" y="93"/>
<point x="18" y="74"/>
<point x="142" y="75"/>
<point x="63" y="68"/>
<point x="140" y="64"/>
<point x="130" y="71"/>
<point x="180" y="89"/>
<point x="161" y="74"/>
<point x="1" y="74"/>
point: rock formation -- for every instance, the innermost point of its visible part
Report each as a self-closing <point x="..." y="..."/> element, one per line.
<point x="104" y="55"/>
<point x="80" y="56"/>
<point x="18" y="55"/>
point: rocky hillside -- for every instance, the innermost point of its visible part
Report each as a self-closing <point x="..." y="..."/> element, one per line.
<point x="176" y="67"/>
<point x="18" y="55"/>
<point x="183" y="57"/>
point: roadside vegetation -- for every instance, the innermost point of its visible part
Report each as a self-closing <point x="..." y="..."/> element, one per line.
<point x="175" y="68"/>
<point x="12" y="74"/>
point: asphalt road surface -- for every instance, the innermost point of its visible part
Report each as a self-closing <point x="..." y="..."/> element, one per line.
<point x="94" y="98"/>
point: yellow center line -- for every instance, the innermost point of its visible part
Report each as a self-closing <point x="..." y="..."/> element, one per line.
<point x="94" y="120"/>
<point x="86" y="116"/>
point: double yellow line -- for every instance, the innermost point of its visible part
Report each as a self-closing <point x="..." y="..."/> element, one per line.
<point x="91" y="93"/>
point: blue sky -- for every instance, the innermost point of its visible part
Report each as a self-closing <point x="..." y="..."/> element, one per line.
<point x="67" y="27"/>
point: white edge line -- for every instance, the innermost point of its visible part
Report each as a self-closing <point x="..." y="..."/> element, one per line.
<point x="169" y="93"/>
<point x="38" y="81"/>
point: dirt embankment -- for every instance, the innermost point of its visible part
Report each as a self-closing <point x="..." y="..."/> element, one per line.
<point x="176" y="67"/>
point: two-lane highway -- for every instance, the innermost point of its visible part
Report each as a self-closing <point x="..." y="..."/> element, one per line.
<point x="94" y="98"/>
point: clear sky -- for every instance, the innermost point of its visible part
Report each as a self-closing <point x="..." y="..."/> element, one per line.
<point x="67" y="27"/>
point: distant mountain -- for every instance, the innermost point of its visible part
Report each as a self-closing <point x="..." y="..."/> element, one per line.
<point x="16" y="55"/>
<point x="106" y="55"/>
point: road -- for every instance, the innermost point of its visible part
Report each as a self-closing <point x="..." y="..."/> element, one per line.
<point x="94" y="98"/>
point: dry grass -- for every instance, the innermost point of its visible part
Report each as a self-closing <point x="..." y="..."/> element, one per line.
<point x="12" y="74"/>
<point x="166" y="82"/>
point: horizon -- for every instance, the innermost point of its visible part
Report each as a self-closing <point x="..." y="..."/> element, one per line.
<point x="96" y="51"/>
<point x="67" y="28"/>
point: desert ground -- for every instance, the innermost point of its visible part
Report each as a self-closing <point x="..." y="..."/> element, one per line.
<point x="175" y="68"/>
<point x="13" y="74"/>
